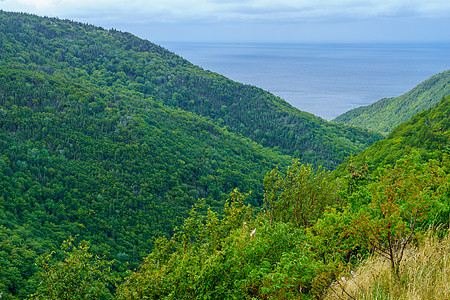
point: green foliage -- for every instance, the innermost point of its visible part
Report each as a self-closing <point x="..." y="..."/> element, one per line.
<point x="100" y="162"/>
<point x="300" y="196"/>
<point x="385" y="114"/>
<point x="17" y="262"/>
<point x="121" y="62"/>
<point x="239" y="256"/>
<point x="399" y="201"/>
<point x="118" y="178"/>
<point x="111" y="138"/>
<point x="272" y="256"/>
<point x="427" y="133"/>
<point x="79" y="276"/>
<point x="403" y="198"/>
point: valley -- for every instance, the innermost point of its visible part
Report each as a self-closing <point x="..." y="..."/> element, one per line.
<point x="127" y="172"/>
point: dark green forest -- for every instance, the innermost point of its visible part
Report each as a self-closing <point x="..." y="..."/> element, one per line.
<point x="126" y="172"/>
<point x="315" y="228"/>
<point x="385" y="114"/>
<point x="119" y="62"/>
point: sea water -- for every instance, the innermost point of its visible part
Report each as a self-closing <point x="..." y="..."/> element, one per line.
<point x="324" y="79"/>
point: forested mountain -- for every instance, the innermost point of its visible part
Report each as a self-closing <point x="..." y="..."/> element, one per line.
<point x="385" y="114"/>
<point x="427" y="134"/>
<point x="119" y="61"/>
<point x="107" y="141"/>
<point x="315" y="234"/>
<point x="117" y="170"/>
<point x="102" y="162"/>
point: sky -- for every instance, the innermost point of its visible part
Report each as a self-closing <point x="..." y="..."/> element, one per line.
<point x="256" y="20"/>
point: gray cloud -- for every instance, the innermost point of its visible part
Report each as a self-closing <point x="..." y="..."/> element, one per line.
<point x="229" y="10"/>
<point x="256" y="20"/>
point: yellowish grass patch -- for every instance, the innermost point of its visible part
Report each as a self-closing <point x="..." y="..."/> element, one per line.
<point x="424" y="274"/>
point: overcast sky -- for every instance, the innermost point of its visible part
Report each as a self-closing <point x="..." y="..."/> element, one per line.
<point x="257" y="20"/>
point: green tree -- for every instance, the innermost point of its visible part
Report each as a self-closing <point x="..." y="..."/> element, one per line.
<point x="299" y="196"/>
<point x="80" y="276"/>
<point x="404" y="198"/>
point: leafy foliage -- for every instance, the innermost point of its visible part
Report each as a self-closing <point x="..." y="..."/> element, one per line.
<point x="112" y="139"/>
<point x="79" y="276"/>
<point x="239" y="256"/>
<point x="425" y="274"/>
<point x="403" y="199"/>
<point x="300" y="196"/>
<point x="102" y="163"/>
<point x="118" y="178"/>
<point x="269" y="256"/>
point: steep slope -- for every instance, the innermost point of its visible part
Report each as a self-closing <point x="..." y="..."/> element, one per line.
<point x="118" y="60"/>
<point x="111" y="139"/>
<point x="427" y="133"/>
<point x="116" y="170"/>
<point x="387" y="113"/>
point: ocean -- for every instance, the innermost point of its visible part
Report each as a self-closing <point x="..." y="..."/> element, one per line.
<point x="324" y="79"/>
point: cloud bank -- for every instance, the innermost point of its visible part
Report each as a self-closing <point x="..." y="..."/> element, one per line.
<point x="257" y="20"/>
<point x="230" y="10"/>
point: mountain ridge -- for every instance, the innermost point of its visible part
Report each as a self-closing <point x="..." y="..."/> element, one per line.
<point x="427" y="134"/>
<point x="385" y="114"/>
<point x="123" y="61"/>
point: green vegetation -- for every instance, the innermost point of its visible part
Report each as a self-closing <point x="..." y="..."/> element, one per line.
<point x="385" y="114"/>
<point x="118" y="178"/>
<point x="268" y="256"/>
<point x="79" y="276"/>
<point x="107" y="142"/>
<point x="111" y="139"/>
<point x="120" y="62"/>
<point x="427" y="133"/>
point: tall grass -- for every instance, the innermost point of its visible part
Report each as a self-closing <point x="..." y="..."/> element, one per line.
<point x="424" y="274"/>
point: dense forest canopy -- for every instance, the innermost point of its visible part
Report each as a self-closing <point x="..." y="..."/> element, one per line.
<point x="102" y="162"/>
<point x="315" y="231"/>
<point x="119" y="61"/>
<point x="165" y="181"/>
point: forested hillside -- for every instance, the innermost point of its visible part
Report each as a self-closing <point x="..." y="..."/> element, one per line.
<point x="92" y="56"/>
<point x="320" y="238"/>
<point x="427" y="134"/>
<point x="103" y="163"/>
<point x="111" y="138"/>
<point x="385" y="114"/>
<point x="115" y="170"/>
<point x="107" y="143"/>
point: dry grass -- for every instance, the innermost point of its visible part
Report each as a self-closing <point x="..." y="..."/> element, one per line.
<point x="424" y="274"/>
